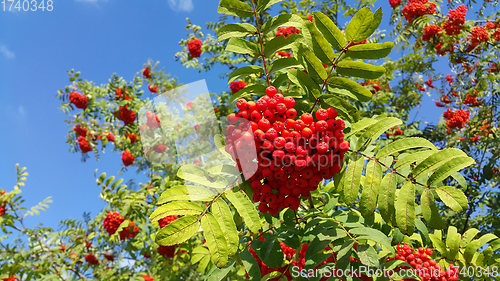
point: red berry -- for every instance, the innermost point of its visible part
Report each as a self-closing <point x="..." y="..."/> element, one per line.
<point x="271" y="91"/>
<point x="321" y="114"/>
<point x="264" y="124"/>
<point x="289" y="102"/>
<point x="281" y="108"/>
<point x="306" y="118"/>
<point x="332" y="113"/>
<point x="241" y="104"/>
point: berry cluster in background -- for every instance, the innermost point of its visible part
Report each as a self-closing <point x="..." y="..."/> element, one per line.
<point x="113" y="220"/>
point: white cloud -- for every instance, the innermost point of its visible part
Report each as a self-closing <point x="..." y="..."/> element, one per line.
<point x="181" y="5"/>
<point x="8" y="53"/>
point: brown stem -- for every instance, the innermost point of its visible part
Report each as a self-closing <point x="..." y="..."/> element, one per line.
<point x="331" y="70"/>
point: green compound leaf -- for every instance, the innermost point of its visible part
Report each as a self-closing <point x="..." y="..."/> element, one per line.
<point x="242" y="46"/>
<point x="436" y="160"/>
<point x="178" y="231"/>
<point x="352" y="179"/>
<point x="284" y="63"/>
<point x="321" y="47"/>
<point x="449" y="168"/>
<point x="367" y="255"/>
<point x="176" y="208"/>
<point x="186" y="193"/>
<point x="374" y="131"/>
<point x="247" y="92"/>
<point x="405" y="209"/>
<point x="304" y="81"/>
<point x="387" y="197"/>
<point x="371" y="186"/>
<point x="452" y="242"/>
<point x="360" y="26"/>
<point x="201" y="255"/>
<point x="404" y="144"/>
<point x="373" y="235"/>
<point x="263" y="5"/>
<point x="344" y="108"/>
<point x="245" y="208"/>
<point x="329" y="30"/>
<point x="370" y="51"/>
<point x="360" y="126"/>
<point x="311" y="63"/>
<point x="235" y="30"/>
<point x="468" y="236"/>
<point x="224" y="217"/>
<point x="215" y="240"/>
<point x="361" y="93"/>
<point x="453" y="198"/>
<point x="430" y="211"/>
<point x="414" y="157"/>
<point x="250" y="264"/>
<point x="198" y="175"/>
<point x="244" y="72"/>
<point x="234" y="8"/>
<point x="359" y="69"/>
<point x="280" y="43"/>
<point x="271" y="252"/>
<point x="282" y="20"/>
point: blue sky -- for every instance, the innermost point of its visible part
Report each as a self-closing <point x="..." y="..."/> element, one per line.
<point x="97" y="38"/>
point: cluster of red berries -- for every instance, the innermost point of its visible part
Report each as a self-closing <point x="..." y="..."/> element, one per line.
<point x="121" y="94"/>
<point x="418" y="8"/>
<point x="166" y="220"/>
<point x="152" y="88"/>
<point x="290" y="255"/>
<point x="394" y="131"/>
<point x="472" y="100"/>
<point x="11" y="278"/>
<point x="292" y="155"/>
<point x="167" y="251"/>
<point x="449" y="78"/>
<point x="484" y="129"/>
<point x="147" y="278"/>
<point x="445" y="99"/>
<point x="236" y="86"/>
<point x="429" y="83"/>
<point x="194" y="47"/>
<point x="478" y="34"/>
<point x="79" y="100"/>
<point x="109" y="257"/>
<point x="127" y="158"/>
<point x="493" y="68"/>
<point x="394" y="3"/>
<point x="126" y="115"/>
<point x="374" y="84"/>
<point x="287" y="31"/>
<point x="456" y="119"/>
<point x="113" y="221"/>
<point x="430" y="31"/>
<point x="132" y="137"/>
<point x="3" y="206"/>
<point x="84" y="145"/>
<point x="419" y="87"/>
<point x="426" y="267"/>
<point x="146" y="73"/>
<point x="284" y="54"/>
<point x="456" y="20"/>
<point x="90" y="258"/>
